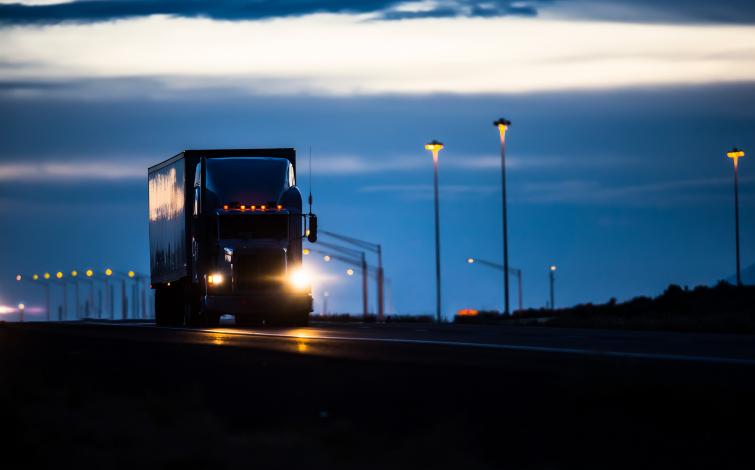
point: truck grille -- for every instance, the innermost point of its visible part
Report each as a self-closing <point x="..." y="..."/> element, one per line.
<point x="259" y="270"/>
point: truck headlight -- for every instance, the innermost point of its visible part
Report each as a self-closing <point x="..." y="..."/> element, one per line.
<point x="299" y="279"/>
<point x="215" y="279"/>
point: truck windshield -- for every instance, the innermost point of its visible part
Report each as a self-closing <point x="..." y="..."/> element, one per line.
<point x="246" y="180"/>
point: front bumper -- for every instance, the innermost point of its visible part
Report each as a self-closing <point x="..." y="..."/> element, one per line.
<point x="263" y="303"/>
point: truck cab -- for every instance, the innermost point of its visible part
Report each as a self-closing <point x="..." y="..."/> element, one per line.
<point x="226" y="233"/>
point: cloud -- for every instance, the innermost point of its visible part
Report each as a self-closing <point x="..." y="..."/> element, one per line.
<point x="101" y="10"/>
<point x="661" y="193"/>
<point x="342" y="55"/>
<point x="82" y="170"/>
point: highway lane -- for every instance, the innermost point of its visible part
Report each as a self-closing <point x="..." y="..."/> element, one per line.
<point x="363" y="340"/>
<point x="122" y="395"/>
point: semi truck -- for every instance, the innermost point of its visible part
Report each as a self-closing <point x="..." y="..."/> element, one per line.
<point x="226" y="229"/>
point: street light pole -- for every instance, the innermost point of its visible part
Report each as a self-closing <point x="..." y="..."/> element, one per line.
<point x="552" y="278"/>
<point x="503" y="124"/>
<point x="515" y="271"/>
<point x="435" y="147"/>
<point x="735" y="154"/>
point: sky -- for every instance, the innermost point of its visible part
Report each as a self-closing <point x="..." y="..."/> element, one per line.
<point x="622" y="112"/>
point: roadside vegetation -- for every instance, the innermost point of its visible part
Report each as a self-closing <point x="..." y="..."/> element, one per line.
<point x="724" y="308"/>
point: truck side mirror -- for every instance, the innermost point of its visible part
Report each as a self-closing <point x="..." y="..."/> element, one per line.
<point x="312" y="235"/>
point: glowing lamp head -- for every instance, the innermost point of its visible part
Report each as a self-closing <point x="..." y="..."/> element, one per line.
<point x="434" y="146"/>
<point x="74" y="273"/>
<point x="131" y="274"/>
<point x="89" y="273"/>
<point x="470" y="260"/>
<point x="18" y="277"/>
<point x="21" y="306"/>
<point x="59" y="275"/>
<point x="108" y="272"/>
<point x="35" y="277"/>
<point x="215" y="279"/>
<point x="553" y="268"/>
<point x="327" y="258"/>
<point x="299" y="279"/>
<point x="502" y="124"/>
<point x="350" y="272"/>
<point x="305" y="251"/>
<point x="735" y="154"/>
<point x="47" y="276"/>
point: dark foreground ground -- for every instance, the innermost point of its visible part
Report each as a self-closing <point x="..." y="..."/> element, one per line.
<point x="107" y="396"/>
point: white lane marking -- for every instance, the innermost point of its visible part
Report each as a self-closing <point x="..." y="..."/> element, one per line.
<point x="466" y="344"/>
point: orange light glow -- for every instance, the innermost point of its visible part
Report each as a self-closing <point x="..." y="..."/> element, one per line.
<point x="735" y="154"/>
<point x="254" y="208"/>
<point x="243" y="207"/>
<point x="280" y="207"/>
<point x="59" y="275"/>
<point x="89" y="273"/>
<point x="74" y="273"/>
<point x="467" y="312"/>
<point x="131" y="274"/>
<point x="225" y="207"/>
<point x="263" y="207"/>
<point x="108" y="272"/>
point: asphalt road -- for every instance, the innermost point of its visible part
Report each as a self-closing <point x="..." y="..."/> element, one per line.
<point x="375" y="396"/>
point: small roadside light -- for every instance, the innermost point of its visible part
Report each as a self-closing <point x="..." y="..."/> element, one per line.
<point x="47" y="276"/>
<point x="350" y="272"/>
<point x="18" y="277"/>
<point x="21" y="306"/>
<point x="280" y="207"/>
<point x="59" y="275"/>
<point x="215" y="279"/>
<point x="254" y="208"/>
<point x="131" y="274"/>
<point x="263" y="207"/>
<point x="74" y="273"/>
<point x="305" y="251"/>
<point x="470" y="260"/>
<point x="553" y="268"/>
<point x="467" y="312"/>
<point x="89" y="273"/>
<point x="35" y="277"/>
<point x="326" y="258"/>
<point x="108" y="272"/>
<point x="225" y="207"/>
<point x="243" y="207"/>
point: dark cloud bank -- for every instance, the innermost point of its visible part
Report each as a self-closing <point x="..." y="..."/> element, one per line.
<point x="696" y="11"/>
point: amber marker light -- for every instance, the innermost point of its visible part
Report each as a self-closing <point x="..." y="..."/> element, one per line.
<point x="225" y="207"/>
<point x="263" y="207"/>
<point x="280" y="207"/>
<point x="254" y="208"/>
<point x="243" y="207"/>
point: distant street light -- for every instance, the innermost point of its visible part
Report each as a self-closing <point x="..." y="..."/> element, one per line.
<point x="515" y="271"/>
<point x="552" y="278"/>
<point x="350" y="272"/>
<point x="735" y="154"/>
<point x="436" y="147"/>
<point x="502" y="125"/>
<point x="21" y="308"/>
